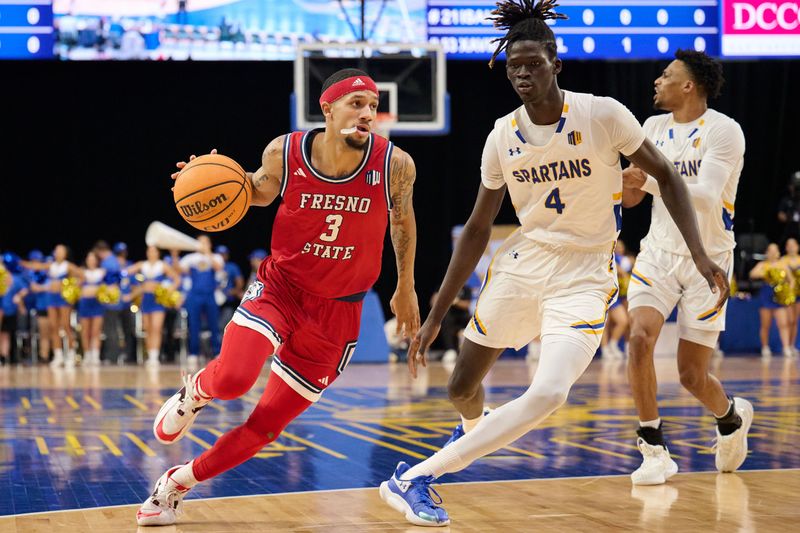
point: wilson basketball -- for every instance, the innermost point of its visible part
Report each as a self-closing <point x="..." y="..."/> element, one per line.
<point x="212" y="192"/>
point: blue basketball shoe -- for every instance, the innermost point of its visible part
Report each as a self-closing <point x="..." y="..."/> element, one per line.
<point x="413" y="498"/>
<point x="458" y="432"/>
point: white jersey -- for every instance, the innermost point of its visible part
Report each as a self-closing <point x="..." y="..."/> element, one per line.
<point x="153" y="271"/>
<point x="567" y="187"/>
<point x="712" y="143"/>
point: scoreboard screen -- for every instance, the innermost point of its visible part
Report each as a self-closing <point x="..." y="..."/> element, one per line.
<point x="595" y="29"/>
<point x="636" y="29"/>
<point x="26" y="29"/>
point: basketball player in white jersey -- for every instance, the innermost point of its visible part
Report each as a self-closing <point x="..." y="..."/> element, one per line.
<point x="558" y="155"/>
<point x="707" y="149"/>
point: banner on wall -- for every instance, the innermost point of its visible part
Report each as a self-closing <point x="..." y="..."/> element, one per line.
<point x="758" y="28"/>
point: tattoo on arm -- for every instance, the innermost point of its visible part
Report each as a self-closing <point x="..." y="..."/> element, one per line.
<point x="403" y="226"/>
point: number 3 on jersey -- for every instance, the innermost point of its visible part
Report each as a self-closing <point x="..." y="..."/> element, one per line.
<point x="333" y="230"/>
<point x="553" y="201"/>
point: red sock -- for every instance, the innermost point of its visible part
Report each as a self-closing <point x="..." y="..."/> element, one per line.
<point x="278" y="406"/>
<point x="238" y="365"/>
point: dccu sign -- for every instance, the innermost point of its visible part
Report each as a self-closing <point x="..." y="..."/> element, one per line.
<point x="760" y="28"/>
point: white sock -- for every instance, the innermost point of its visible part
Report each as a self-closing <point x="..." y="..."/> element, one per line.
<point x="198" y="388"/>
<point x="152" y="355"/>
<point x="469" y="424"/>
<point x="655" y="424"/>
<point x="185" y="475"/>
<point x="562" y="362"/>
<point x="58" y="354"/>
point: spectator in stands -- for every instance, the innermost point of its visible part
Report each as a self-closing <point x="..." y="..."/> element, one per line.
<point x="789" y="209"/>
<point x="12" y="304"/>
<point x="233" y="286"/>
<point x="256" y="257"/>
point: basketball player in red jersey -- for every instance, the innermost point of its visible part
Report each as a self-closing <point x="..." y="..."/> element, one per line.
<point x="337" y="187"/>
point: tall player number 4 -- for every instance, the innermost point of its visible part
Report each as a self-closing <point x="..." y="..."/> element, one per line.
<point x="553" y="201"/>
<point x="333" y="229"/>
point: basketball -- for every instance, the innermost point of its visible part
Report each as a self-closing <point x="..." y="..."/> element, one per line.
<point x="212" y="192"/>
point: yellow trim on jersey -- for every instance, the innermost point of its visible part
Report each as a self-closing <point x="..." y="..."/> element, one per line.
<point x="640" y="279"/>
<point x="728" y="206"/>
<point x="566" y="108"/>
<point x="477" y="324"/>
<point x="610" y="297"/>
<point x="711" y="315"/>
<point x="617" y="196"/>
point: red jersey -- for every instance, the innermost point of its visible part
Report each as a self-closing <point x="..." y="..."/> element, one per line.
<point x="328" y="234"/>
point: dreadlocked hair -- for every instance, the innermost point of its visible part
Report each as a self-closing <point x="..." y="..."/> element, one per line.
<point x="525" y="20"/>
<point x="705" y="71"/>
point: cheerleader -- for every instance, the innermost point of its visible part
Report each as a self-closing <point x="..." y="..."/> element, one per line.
<point x="154" y="272"/>
<point x="39" y="289"/>
<point x="792" y="259"/>
<point x="775" y="297"/>
<point x="617" y="321"/>
<point x="58" y="309"/>
<point x="11" y="304"/>
<point x="90" y="310"/>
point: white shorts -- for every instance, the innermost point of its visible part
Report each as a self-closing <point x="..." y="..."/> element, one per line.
<point x="534" y="289"/>
<point x="662" y="280"/>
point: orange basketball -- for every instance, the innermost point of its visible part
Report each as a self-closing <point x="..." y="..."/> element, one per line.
<point x="212" y="192"/>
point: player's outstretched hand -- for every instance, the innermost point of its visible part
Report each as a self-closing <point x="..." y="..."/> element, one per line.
<point x="418" y="349"/>
<point x="181" y="164"/>
<point x="716" y="277"/>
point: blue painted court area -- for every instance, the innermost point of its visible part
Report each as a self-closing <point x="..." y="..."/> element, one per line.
<point x="94" y="447"/>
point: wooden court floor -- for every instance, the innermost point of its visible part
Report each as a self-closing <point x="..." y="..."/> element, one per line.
<point x="568" y="475"/>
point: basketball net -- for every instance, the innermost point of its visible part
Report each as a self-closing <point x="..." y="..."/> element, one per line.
<point x="384" y="123"/>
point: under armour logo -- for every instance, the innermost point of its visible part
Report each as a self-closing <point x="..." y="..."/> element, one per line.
<point x="402" y="484"/>
<point x="514" y="254"/>
<point x="513" y="151"/>
<point x="324" y="380"/>
<point x="358" y="82"/>
<point x="299" y="172"/>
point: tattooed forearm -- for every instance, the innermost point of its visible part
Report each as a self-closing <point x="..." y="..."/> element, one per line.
<point x="401" y="241"/>
<point x="404" y="227"/>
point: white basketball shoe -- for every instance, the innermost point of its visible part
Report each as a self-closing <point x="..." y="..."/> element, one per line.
<point x="165" y="505"/>
<point x="177" y="414"/>
<point x="657" y="466"/>
<point x="731" y="450"/>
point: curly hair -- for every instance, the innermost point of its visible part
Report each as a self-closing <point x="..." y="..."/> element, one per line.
<point x="525" y="20"/>
<point x="705" y="71"/>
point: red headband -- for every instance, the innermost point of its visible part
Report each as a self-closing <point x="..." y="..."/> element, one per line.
<point x="347" y="86"/>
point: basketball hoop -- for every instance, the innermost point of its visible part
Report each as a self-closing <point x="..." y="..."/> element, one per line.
<point x="384" y="123"/>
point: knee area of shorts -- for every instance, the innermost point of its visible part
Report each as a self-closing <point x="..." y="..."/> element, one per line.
<point x="699" y="336"/>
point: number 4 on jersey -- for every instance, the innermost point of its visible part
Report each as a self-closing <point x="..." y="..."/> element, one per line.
<point x="553" y="201"/>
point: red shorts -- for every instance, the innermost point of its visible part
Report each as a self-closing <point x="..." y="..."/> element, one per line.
<point x="314" y="337"/>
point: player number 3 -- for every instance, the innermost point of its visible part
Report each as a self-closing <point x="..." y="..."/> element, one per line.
<point x="333" y="229"/>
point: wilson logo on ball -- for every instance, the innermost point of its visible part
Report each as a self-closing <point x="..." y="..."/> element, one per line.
<point x="198" y="208"/>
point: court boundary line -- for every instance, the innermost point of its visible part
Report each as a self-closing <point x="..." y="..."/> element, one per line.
<point x="325" y="491"/>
